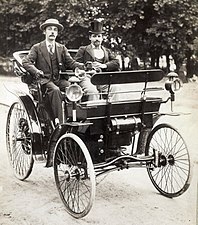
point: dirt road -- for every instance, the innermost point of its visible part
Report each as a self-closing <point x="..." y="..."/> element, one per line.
<point x="125" y="197"/>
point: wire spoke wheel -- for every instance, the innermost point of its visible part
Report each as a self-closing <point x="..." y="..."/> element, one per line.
<point x="19" y="141"/>
<point x="74" y="175"/>
<point x="172" y="177"/>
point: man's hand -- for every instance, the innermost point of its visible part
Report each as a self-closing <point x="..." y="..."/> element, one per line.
<point x="39" y="74"/>
<point x="99" y="65"/>
<point x="81" y="66"/>
<point x="80" y="73"/>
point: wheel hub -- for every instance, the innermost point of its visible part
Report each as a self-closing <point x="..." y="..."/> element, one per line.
<point x="74" y="172"/>
<point x="24" y="133"/>
<point x="67" y="175"/>
<point x="164" y="160"/>
<point x="171" y="160"/>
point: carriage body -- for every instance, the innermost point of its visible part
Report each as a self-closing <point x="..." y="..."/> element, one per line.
<point x="112" y="125"/>
<point x="96" y="137"/>
<point x="103" y="125"/>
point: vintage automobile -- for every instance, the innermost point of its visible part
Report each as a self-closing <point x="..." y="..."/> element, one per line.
<point x="96" y="137"/>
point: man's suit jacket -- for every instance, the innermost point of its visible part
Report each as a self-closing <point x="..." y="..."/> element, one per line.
<point x="85" y="53"/>
<point x="39" y="59"/>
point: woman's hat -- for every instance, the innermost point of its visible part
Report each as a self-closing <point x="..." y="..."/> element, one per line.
<point x="96" y="27"/>
<point x="51" y="22"/>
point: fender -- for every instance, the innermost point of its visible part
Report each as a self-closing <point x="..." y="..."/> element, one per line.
<point x="57" y="133"/>
<point x="26" y="100"/>
<point x="35" y="127"/>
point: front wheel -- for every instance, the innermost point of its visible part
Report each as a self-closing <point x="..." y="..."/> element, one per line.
<point x="74" y="175"/>
<point x="172" y="175"/>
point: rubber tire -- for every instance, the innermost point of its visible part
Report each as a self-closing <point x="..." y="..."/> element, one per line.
<point x="173" y="177"/>
<point x="19" y="141"/>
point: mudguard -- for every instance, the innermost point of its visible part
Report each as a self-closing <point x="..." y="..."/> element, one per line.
<point x="35" y="124"/>
<point x="34" y="120"/>
<point x="57" y="133"/>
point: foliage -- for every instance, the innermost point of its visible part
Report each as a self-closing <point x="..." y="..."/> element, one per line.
<point x="143" y="28"/>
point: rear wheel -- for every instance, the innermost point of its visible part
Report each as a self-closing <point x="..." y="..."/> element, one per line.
<point x="19" y="141"/>
<point x="74" y="175"/>
<point x="172" y="176"/>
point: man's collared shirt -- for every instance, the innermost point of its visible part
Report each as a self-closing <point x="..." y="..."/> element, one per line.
<point x="50" y="47"/>
<point x="98" y="52"/>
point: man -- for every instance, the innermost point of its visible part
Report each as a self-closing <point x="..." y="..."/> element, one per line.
<point x="102" y="60"/>
<point x="44" y="62"/>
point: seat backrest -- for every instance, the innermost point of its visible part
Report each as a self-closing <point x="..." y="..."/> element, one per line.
<point x="19" y="69"/>
<point x="123" y="77"/>
<point x="19" y="55"/>
<point x="17" y="63"/>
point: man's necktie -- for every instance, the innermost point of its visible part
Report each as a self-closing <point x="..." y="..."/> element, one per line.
<point x="51" y="49"/>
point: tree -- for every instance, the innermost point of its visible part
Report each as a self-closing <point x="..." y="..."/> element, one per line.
<point x="175" y="28"/>
<point x="143" y="28"/>
<point x="18" y="22"/>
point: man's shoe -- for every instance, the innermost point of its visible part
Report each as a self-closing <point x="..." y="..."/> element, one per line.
<point x="49" y="163"/>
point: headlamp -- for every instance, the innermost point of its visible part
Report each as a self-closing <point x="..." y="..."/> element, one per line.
<point x="74" y="92"/>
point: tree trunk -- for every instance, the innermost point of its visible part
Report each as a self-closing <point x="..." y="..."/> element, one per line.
<point x="123" y="64"/>
<point x="168" y="63"/>
<point x="157" y="62"/>
<point x="152" y="61"/>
